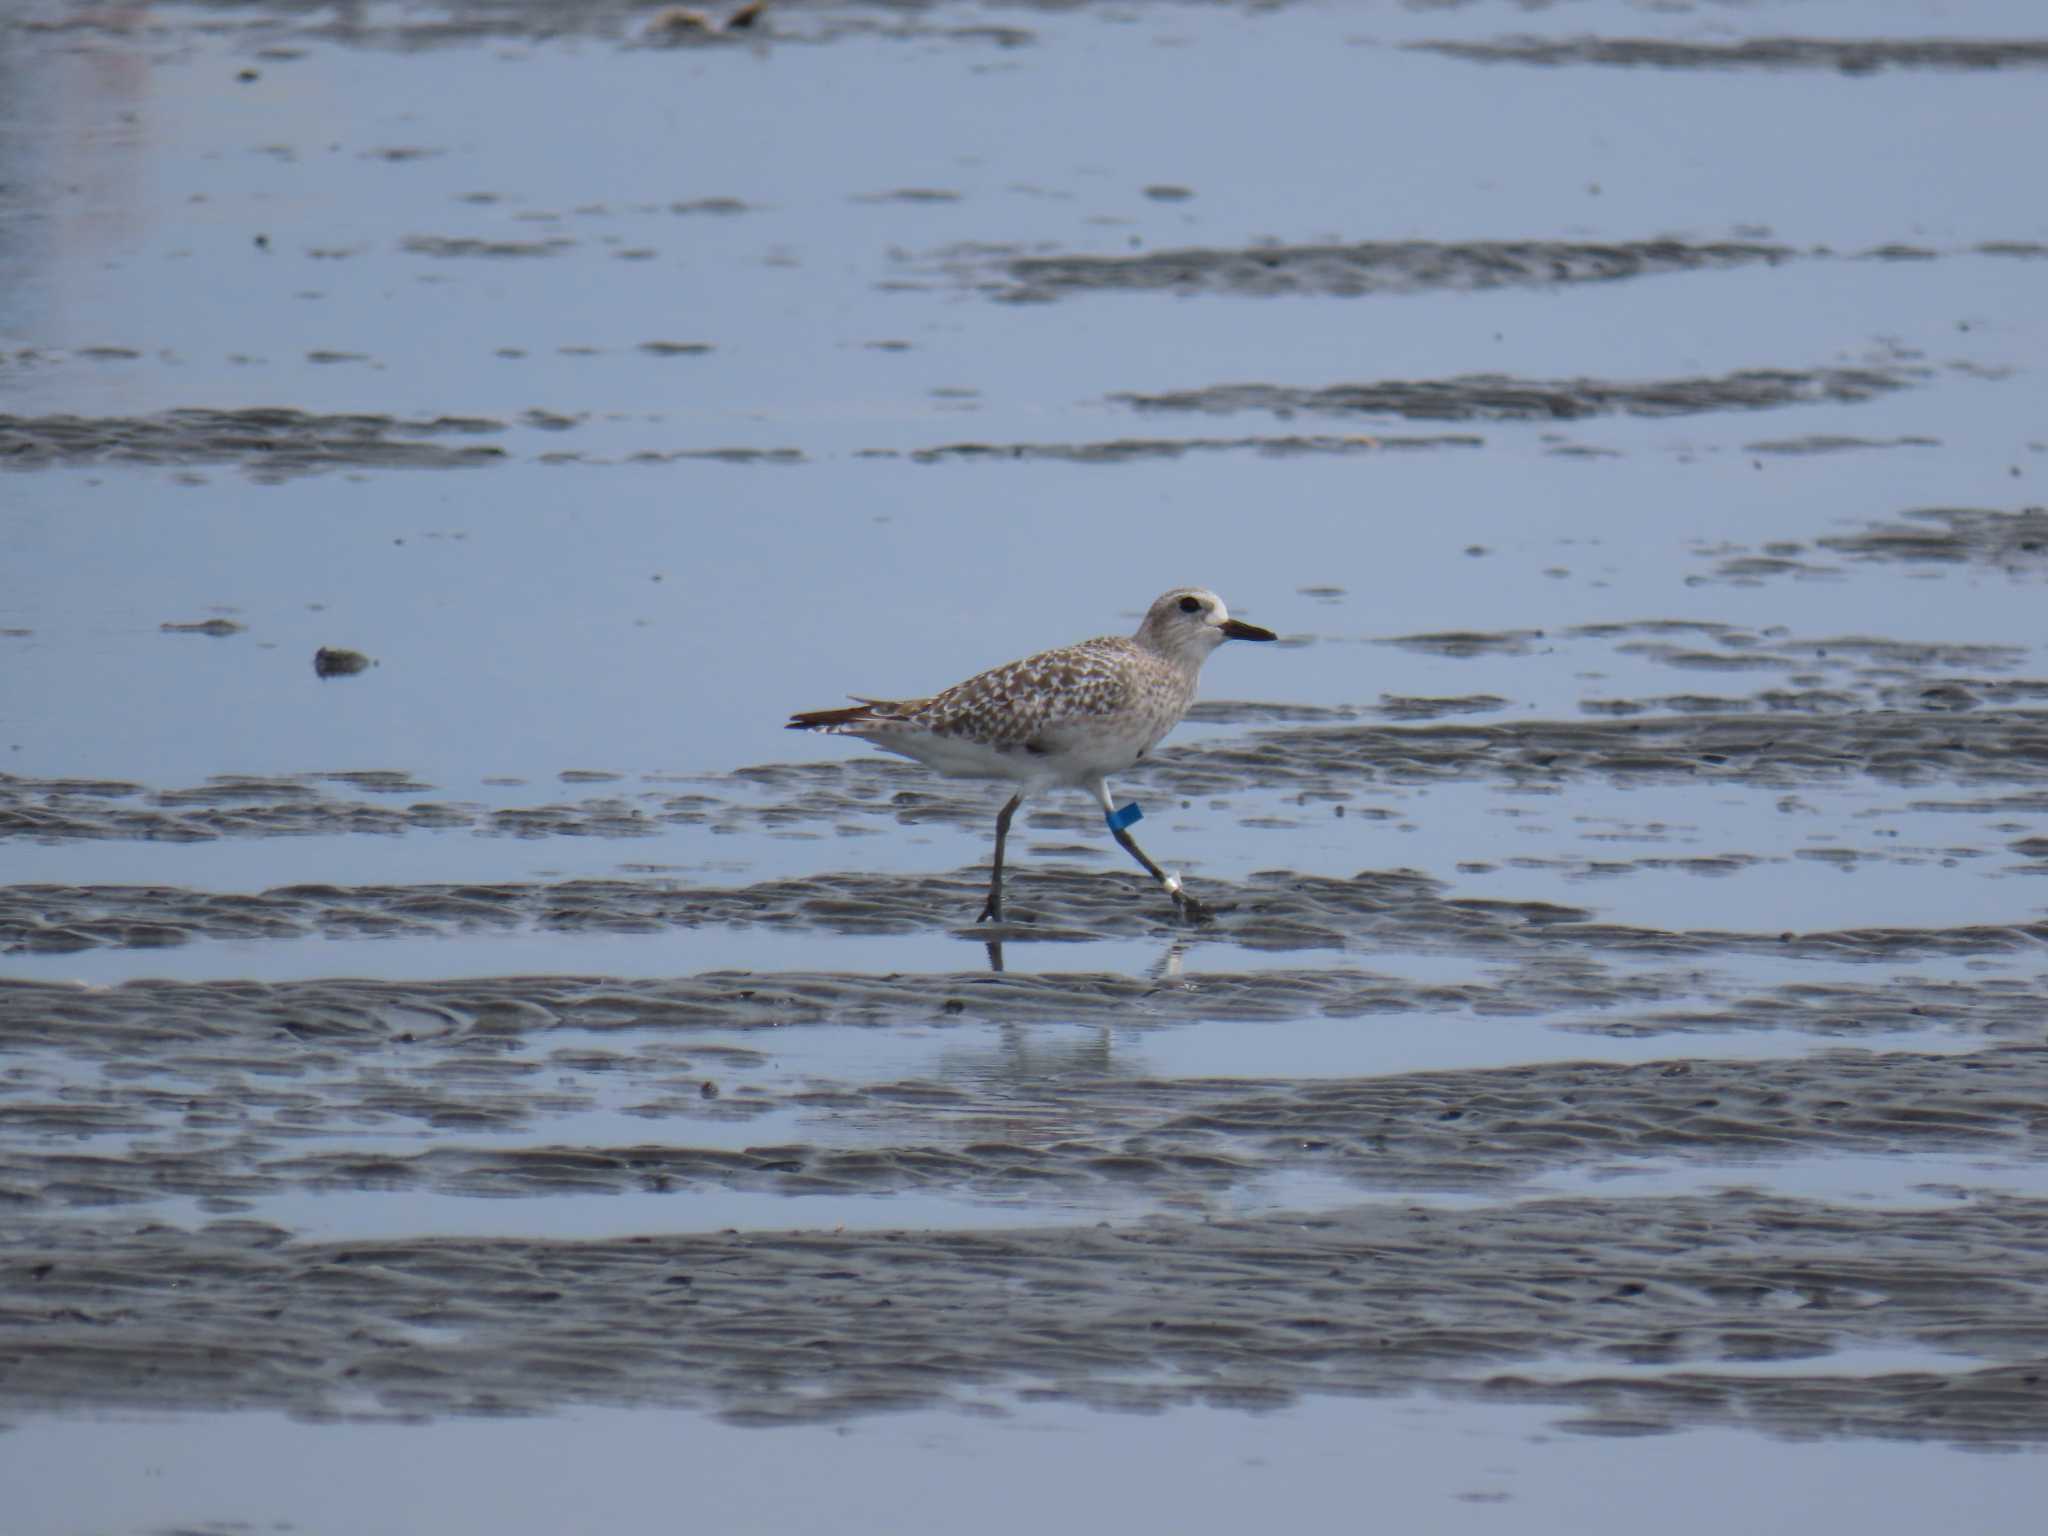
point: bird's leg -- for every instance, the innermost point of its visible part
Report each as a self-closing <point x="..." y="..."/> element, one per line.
<point x="1183" y="903"/>
<point x="992" y="909"/>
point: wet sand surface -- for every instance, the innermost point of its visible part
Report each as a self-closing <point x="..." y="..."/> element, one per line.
<point x="793" y="1327"/>
<point x="435" y="992"/>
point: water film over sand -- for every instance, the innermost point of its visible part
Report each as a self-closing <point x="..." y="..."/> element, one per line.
<point x="437" y="997"/>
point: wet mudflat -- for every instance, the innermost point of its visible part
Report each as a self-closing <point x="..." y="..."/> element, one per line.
<point x="435" y="992"/>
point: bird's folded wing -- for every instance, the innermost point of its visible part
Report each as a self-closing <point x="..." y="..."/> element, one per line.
<point x="1022" y="701"/>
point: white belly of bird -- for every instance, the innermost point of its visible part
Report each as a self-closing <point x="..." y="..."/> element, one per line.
<point x="1110" y="747"/>
<point x="1078" y="757"/>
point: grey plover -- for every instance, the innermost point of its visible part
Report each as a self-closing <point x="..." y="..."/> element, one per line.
<point x="1062" y="719"/>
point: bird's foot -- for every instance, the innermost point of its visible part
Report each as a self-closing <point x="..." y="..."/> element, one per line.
<point x="1190" y="910"/>
<point x="991" y="910"/>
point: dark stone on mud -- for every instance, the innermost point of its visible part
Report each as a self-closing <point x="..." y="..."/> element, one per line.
<point x="338" y="661"/>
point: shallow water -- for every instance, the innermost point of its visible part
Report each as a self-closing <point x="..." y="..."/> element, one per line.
<point x="1452" y="1465"/>
<point x="1623" y="999"/>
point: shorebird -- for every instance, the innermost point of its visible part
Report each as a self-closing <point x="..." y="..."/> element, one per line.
<point x="1063" y="719"/>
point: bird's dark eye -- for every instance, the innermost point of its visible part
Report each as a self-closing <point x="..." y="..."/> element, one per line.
<point x="1191" y="605"/>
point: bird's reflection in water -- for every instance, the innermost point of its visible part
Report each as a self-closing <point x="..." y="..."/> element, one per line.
<point x="1017" y="1077"/>
<point x="1166" y="969"/>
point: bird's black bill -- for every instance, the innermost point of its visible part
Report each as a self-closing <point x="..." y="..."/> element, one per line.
<point x="1237" y="629"/>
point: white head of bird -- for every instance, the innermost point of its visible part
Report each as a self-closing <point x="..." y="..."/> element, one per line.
<point x="1190" y="622"/>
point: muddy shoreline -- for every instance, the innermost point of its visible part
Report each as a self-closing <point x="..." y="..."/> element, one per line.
<point x="260" y="1081"/>
<point x="770" y="1328"/>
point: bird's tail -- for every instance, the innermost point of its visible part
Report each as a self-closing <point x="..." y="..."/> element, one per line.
<point x="861" y="712"/>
